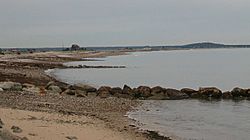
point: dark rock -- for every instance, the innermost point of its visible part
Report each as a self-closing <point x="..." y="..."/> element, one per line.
<point x="210" y="92"/>
<point x="116" y="90"/>
<point x="188" y="91"/>
<point x="157" y="90"/>
<point x="238" y="92"/>
<point x="144" y="91"/>
<point x="84" y="87"/>
<point x="174" y="94"/>
<point x="16" y="129"/>
<point x="227" y="95"/>
<point x="71" y="138"/>
<point x="127" y="90"/>
<point x="247" y="93"/>
<point x="158" y="97"/>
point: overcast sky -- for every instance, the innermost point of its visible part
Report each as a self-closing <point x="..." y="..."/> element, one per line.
<point x="41" y="23"/>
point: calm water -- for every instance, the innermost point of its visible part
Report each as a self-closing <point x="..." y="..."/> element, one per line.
<point x="194" y="119"/>
<point x="187" y="119"/>
<point x="223" y="68"/>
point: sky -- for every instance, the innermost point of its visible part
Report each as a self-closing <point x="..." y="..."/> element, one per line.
<point x="50" y="23"/>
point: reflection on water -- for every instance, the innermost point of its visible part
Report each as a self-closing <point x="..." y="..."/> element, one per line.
<point x="223" y="68"/>
<point x="197" y="119"/>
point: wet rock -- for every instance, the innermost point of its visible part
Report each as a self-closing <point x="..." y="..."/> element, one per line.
<point x="158" y="97"/>
<point x="210" y="92"/>
<point x="16" y="129"/>
<point x="174" y="94"/>
<point x="144" y="91"/>
<point x="188" y="91"/>
<point x="227" y="95"/>
<point x="84" y="87"/>
<point x="54" y="89"/>
<point x="11" y="86"/>
<point x="104" y="92"/>
<point x="238" y="92"/>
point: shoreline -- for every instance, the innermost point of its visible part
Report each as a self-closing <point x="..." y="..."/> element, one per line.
<point x="27" y="69"/>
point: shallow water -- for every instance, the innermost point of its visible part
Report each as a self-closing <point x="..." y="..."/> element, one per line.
<point x="194" y="119"/>
<point x="223" y="68"/>
<point x="183" y="119"/>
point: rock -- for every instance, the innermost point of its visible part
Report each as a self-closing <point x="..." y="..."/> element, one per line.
<point x="34" y="89"/>
<point x="127" y="90"/>
<point x="144" y="91"/>
<point x="84" y="87"/>
<point x="1" y="124"/>
<point x="174" y="94"/>
<point x="51" y="83"/>
<point x="157" y="90"/>
<point x="238" y="92"/>
<point x="16" y="129"/>
<point x="26" y="85"/>
<point x="210" y="92"/>
<point x="68" y="92"/>
<point x="71" y="138"/>
<point x="247" y="93"/>
<point x="116" y="90"/>
<point x="188" y="91"/>
<point x="10" y="86"/>
<point x="80" y="93"/>
<point x="104" y="92"/>
<point x="1" y="90"/>
<point x="54" y="89"/>
<point x="227" y="95"/>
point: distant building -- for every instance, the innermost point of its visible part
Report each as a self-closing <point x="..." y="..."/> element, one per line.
<point x="75" y="47"/>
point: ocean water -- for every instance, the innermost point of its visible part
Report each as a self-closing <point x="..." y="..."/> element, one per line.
<point x="223" y="68"/>
<point x="196" y="119"/>
<point x="183" y="119"/>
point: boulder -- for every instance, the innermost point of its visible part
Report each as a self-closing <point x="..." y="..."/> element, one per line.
<point x="84" y="87"/>
<point x="210" y="92"/>
<point x="159" y="96"/>
<point x="1" y="90"/>
<point x="247" y="93"/>
<point x="54" y="89"/>
<point x="188" y="91"/>
<point x="80" y="93"/>
<point x="127" y="90"/>
<point x="51" y="83"/>
<point x="116" y="90"/>
<point x="227" y="95"/>
<point x="157" y="90"/>
<point x="238" y="92"/>
<point x="174" y="94"/>
<point x="10" y="86"/>
<point x="34" y="89"/>
<point x="68" y="92"/>
<point x="104" y="92"/>
<point x="144" y="91"/>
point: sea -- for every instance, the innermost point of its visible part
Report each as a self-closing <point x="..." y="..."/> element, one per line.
<point x="182" y="119"/>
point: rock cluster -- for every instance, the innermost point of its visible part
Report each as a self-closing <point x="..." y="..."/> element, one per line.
<point x="141" y="92"/>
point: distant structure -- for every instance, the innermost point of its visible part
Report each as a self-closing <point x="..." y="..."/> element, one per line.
<point x="75" y="47"/>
